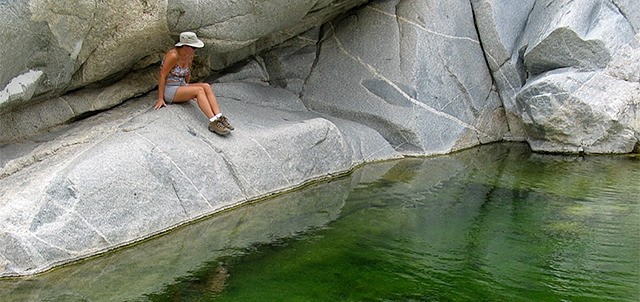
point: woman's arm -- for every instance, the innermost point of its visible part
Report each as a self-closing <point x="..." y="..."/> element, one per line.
<point x="169" y="61"/>
<point x="188" y="77"/>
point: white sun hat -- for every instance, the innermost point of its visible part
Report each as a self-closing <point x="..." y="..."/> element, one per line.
<point x="190" y="39"/>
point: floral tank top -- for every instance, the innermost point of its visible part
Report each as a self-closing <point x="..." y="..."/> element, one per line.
<point x="177" y="76"/>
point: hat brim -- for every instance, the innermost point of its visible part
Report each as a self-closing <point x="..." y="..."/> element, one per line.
<point x="198" y="44"/>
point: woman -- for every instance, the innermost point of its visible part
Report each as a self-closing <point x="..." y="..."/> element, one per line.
<point x="174" y="86"/>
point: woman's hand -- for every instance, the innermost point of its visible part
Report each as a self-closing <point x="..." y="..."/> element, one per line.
<point x="159" y="104"/>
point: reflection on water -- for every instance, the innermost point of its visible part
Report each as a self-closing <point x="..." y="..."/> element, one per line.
<point x="494" y="223"/>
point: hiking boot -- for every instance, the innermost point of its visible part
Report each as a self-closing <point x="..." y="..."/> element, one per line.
<point x="218" y="127"/>
<point x="225" y="122"/>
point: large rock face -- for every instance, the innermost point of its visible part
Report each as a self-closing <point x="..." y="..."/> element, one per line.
<point x="391" y="67"/>
<point x="311" y="95"/>
<point x="564" y="71"/>
<point x="62" y="46"/>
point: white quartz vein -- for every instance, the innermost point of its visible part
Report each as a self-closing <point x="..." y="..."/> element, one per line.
<point x="408" y="21"/>
<point x="51" y="245"/>
<point x="271" y="158"/>
<point x="378" y="74"/>
<point x="178" y="168"/>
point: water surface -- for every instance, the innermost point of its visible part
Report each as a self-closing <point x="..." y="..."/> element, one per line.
<point x="493" y="223"/>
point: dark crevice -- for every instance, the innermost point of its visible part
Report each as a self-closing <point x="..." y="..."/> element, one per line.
<point x="494" y="83"/>
<point x="85" y="115"/>
<point x="622" y="13"/>
<point x="92" y="113"/>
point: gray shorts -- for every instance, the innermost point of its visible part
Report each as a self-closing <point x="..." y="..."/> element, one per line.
<point x="170" y="93"/>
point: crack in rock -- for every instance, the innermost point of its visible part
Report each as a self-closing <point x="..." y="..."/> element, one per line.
<point x="421" y="27"/>
<point x="182" y="172"/>
<point x="379" y="75"/>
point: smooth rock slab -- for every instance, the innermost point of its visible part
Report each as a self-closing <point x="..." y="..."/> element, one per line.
<point x="128" y="174"/>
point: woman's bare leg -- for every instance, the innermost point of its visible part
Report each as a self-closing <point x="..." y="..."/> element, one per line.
<point x="189" y="92"/>
<point x="211" y="97"/>
<point x="213" y="101"/>
<point x="209" y="107"/>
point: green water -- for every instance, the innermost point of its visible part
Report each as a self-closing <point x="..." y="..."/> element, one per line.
<point x="494" y="223"/>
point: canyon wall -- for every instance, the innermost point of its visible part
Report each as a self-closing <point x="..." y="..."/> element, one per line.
<point x="314" y="88"/>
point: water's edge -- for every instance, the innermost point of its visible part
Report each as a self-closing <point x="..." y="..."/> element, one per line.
<point x="150" y="266"/>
